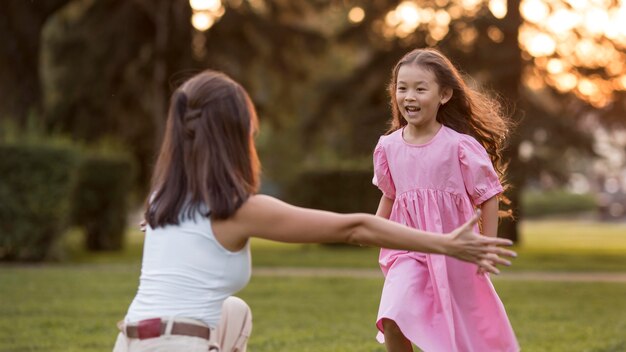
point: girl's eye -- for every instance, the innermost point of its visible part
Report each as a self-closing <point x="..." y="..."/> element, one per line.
<point x="421" y="89"/>
<point x="401" y="89"/>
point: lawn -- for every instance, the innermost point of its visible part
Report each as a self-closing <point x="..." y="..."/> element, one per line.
<point x="73" y="305"/>
<point x="74" y="308"/>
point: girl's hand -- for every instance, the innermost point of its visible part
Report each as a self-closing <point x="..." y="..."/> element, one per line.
<point x="481" y="250"/>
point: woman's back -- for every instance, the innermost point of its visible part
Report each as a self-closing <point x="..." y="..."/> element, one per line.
<point x="186" y="272"/>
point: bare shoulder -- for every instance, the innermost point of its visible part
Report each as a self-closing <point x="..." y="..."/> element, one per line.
<point x="258" y="204"/>
<point x="257" y="209"/>
<point x="269" y="218"/>
<point x="233" y="232"/>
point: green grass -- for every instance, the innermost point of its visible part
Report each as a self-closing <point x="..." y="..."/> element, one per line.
<point x="75" y="308"/>
<point x="566" y="245"/>
<point x="577" y="236"/>
<point x="74" y="305"/>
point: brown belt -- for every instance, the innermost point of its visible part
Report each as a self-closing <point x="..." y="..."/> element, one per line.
<point x="151" y="328"/>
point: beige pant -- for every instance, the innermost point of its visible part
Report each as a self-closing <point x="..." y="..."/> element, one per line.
<point x="231" y="335"/>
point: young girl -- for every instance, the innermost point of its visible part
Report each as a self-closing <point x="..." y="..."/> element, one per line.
<point x="433" y="170"/>
<point x="203" y="210"/>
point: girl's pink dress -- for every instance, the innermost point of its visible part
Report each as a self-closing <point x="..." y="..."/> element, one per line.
<point x="441" y="304"/>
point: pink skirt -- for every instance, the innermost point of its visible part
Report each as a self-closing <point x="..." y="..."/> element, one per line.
<point x="442" y="304"/>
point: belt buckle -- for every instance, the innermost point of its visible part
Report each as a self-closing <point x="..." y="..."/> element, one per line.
<point x="149" y="328"/>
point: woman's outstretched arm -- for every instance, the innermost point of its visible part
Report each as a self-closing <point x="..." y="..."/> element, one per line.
<point x="269" y="218"/>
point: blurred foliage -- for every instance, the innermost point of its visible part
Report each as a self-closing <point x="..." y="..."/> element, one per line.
<point x="132" y="59"/>
<point x="342" y="191"/>
<point x="557" y="202"/>
<point x="21" y="23"/>
<point x="317" y="79"/>
<point x="102" y="176"/>
<point x="100" y="200"/>
<point x="121" y="53"/>
<point x="35" y="190"/>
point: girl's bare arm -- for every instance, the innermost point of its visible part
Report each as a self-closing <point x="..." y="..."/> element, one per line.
<point x="384" y="207"/>
<point x="489" y="217"/>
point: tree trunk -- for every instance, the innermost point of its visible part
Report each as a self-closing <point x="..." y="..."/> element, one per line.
<point x="508" y="83"/>
<point x="21" y="23"/>
<point x="161" y="23"/>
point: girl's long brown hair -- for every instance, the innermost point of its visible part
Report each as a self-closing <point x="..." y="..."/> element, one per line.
<point x="468" y="111"/>
<point x="208" y="155"/>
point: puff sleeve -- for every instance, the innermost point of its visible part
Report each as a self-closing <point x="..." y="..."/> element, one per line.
<point x="382" y="176"/>
<point x="479" y="176"/>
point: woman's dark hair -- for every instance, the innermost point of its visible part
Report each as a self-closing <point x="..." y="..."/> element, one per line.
<point x="208" y="155"/>
<point x="468" y="111"/>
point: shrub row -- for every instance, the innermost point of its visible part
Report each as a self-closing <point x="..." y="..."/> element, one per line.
<point x="44" y="190"/>
<point x="35" y="188"/>
<point x="100" y="200"/>
<point x="348" y="191"/>
<point x="558" y="202"/>
<point x="343" y="191"/>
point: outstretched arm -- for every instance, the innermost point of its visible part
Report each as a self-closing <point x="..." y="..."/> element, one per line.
<point x="269" y="218"/>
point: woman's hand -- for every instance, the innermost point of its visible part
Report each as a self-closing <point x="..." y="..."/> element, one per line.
<point x="482" y="250"/>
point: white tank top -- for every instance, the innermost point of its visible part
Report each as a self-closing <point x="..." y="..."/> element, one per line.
<point x="186" y="272"/>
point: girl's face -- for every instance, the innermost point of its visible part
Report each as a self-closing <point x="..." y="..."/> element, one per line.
<point x="418" y="95"/>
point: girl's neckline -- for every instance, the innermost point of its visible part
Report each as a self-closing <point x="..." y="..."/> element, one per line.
<point x="423" y="144"/>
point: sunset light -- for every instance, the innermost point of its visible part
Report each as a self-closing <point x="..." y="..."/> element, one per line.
<point x="356" y="14"/>
<point x="575" y="36"/>
<point x="534" y="11"/>
<point x="555" y="66"/>
<point x="563" y="39"/>
<point x="408" y="15"/>
<point x="498" y="8"/>
<point x="201" y="21"/>
<point x="205" y="13"/>
<point x="205" y="5"/>
<point x="539" y="44"/>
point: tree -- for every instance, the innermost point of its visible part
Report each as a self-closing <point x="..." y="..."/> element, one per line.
<point x="132" y="54"/>
<point x="20" y="33"/>
<point x="106" y="69"/>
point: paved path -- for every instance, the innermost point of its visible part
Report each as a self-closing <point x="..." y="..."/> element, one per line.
<point x="505" y="275"/>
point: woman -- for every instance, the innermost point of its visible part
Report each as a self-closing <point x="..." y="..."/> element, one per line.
<point x="203" y="210"/>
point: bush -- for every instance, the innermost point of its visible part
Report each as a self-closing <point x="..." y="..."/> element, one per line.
<point x="342" y="191"/>
<point x="35" y="188"/>
<point x="536" y="203"/>
<point x="100" y="200"/>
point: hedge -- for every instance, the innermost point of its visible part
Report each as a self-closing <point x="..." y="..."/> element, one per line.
<point x="35" y="187"/>
<point x="100" y="200"/>
<point x="342" y="191"/>
<point x="556" y="202"/>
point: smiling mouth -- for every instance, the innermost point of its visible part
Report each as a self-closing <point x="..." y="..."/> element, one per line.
<point x="412" y="109"/>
